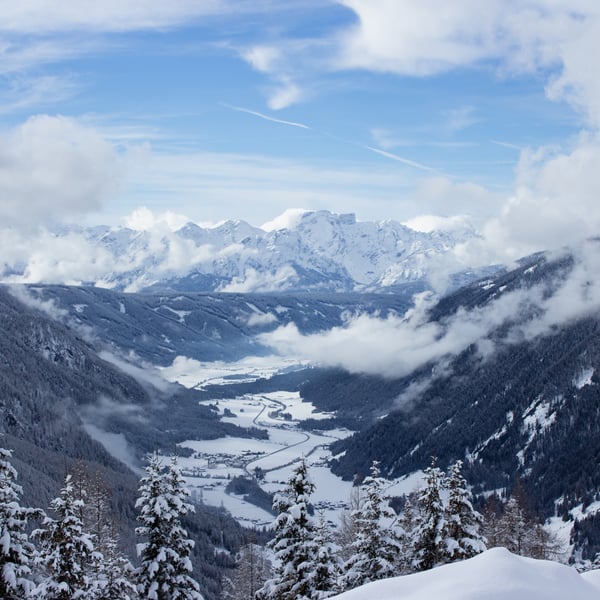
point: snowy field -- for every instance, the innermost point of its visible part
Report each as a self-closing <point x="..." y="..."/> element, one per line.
<point x="494" y="575"/>
<point x="214" y="462"/>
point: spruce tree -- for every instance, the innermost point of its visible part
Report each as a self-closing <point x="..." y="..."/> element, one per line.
<point x="293" y="543"/>
<point x="165" y="569"/>
<point x="462" y="527"/>
<point x="428" y="542"/>
<point x="375" y="549"/>
<point x="326" y="563"/>
<point x="405" y="534"/>
<point x="67" y="550"/>
<point x="16" y="551"/>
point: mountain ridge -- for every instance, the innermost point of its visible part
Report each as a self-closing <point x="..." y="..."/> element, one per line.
<point x="318" y="251"/>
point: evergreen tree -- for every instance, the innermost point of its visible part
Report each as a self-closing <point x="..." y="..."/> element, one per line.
<point x="252" y="571"/>
<point x="293" y="542"/>
<point x="375" y="549"/>
<point x="114" y="574"/>
<point x="405" y="530"/>
<point x="165" y="570"/>
<point x="67" y="550"/>
<point x="428" y="542"/>
<point x="326" y="564"/>
<point x="16" y="551"/>
<point x="463" y="523"/>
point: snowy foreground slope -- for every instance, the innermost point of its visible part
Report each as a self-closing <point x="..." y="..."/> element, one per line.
<point x="494" y="575"/>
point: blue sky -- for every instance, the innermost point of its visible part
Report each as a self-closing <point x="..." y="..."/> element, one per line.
<point x="386" y="108"/>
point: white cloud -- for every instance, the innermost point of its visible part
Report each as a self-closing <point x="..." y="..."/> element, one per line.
<point x="262" y="58"/>
<point x="42" y="16"/>
<point x="143" y="219"/>
<point x="458" y="119"/>
<point x="284" y="94"/>
<point x="555" y="203"/>
<point x="51" y="167"/>
<point x="289" y="219"/>
<point x="256" y="281"/>
<point x="429" y="223"/>
<point x="260" y="319"/>
<point x="395" y="347"/>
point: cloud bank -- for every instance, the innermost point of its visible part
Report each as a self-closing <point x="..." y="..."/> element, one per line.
<point x="396" y="346"/>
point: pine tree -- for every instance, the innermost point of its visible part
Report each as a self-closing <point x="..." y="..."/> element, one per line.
<point x="428" y="542"/>
<point x="375" y="550"/>
<point x="326" y="563"/>
<point x="165" y="570"/>
<point x="67" y="550"/>
<point x="252" y="571"/>
<point x="405" y="531"/>
<point x="463" y="523"/>
<point x="293" y="543"/>
<point x="16" y="551"/>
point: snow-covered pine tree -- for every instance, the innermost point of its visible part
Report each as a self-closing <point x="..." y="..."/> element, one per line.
<point x="250" y="574"/>
<point x="66" y="550"/>
<point x="462" y="527"/>
<point x="428" y="543"/>
<point x="115" y="573"/>
<point x="165" y="569"/>
<point x="293" y="543"/>
<point x="327" y="565"/>
<point x="405" y="530"/>
<point x="375" y="549"/>
<point x="16" y="551"/>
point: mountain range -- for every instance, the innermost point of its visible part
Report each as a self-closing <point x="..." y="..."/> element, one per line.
<point x="514" y="390"/>
<point x="308" y="251"/>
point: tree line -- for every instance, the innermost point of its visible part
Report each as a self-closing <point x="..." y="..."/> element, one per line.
<point x="74" y="554"/>
<point x="437" y="525"/>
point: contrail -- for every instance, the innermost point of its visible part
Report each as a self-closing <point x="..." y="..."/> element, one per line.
<point x="266" y="117"/>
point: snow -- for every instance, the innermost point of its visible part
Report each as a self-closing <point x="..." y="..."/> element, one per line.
<point x="583" y="378"/>
<point x="494" y="575"/>
<point x="192" y="373"/>
<point x="593" y="577"/>
<point x="341" y="251"/>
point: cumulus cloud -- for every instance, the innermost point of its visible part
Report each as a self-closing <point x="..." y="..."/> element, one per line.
<point x="143" y="219"/>
<point x="555" y="203"/>
<point x="44" y="257"/>
<point x="54" y="167"/>
<point x="424" y="37"/>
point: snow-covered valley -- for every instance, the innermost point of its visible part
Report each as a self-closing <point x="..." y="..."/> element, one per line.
<point x="212" y="464"/>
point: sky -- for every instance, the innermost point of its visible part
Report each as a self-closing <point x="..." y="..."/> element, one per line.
<point x="221" y="109"/>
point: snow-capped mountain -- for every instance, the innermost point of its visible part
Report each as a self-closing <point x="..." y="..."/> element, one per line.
<point x="315" y="251"/>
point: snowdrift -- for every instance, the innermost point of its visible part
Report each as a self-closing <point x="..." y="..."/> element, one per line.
<point x="494" y="575"/>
